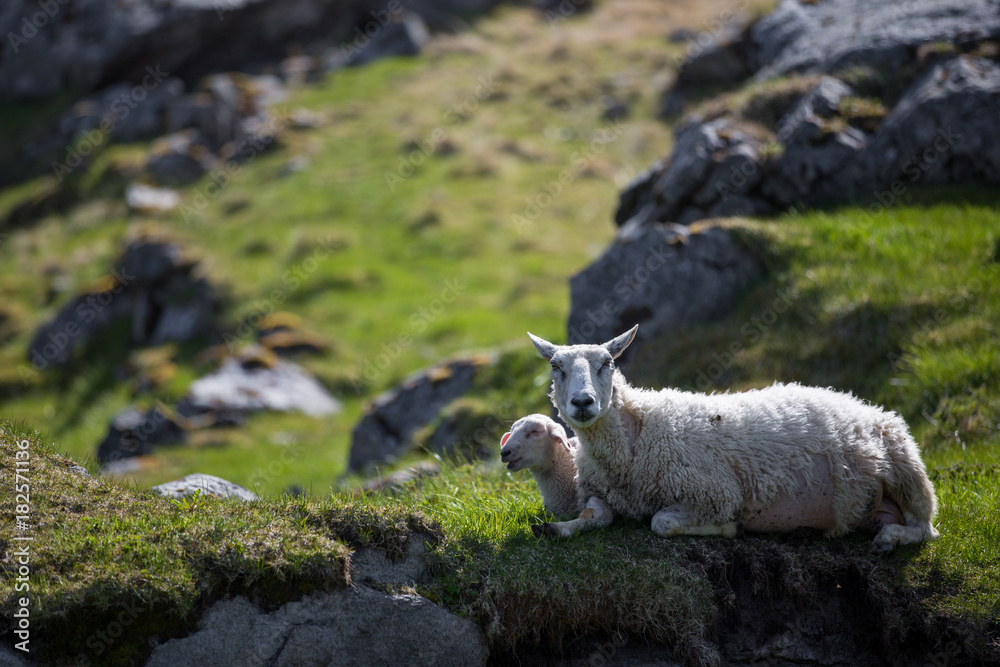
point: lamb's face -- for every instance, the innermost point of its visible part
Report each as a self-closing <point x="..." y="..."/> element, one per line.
<point x="530" y="441"/>
<point x="582" y="375"/>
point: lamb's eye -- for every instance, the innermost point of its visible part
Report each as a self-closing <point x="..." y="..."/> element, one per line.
<point x="606" y="364"/>
<point x="555" y="367"/>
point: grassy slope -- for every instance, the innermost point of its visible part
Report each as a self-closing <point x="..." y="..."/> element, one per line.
<point x="864" y="315"/>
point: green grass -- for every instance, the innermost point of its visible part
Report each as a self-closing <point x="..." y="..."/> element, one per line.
<point x="899" y="307"/>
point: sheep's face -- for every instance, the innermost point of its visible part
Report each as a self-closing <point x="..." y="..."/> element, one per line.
<point x="530" y="441"/>
<point x="582" y="375"/>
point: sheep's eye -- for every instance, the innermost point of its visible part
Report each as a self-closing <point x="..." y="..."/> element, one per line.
<point x="606" y="364"/>
<point x="555" y="367"/>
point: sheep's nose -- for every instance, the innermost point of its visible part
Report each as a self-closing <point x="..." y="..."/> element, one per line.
<point x="582" y="401"/>
<point x="504" y="454"/>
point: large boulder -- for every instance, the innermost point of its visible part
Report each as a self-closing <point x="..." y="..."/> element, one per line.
<point x="942" y="130"/>
<point x="827" y="36"/>
<point x="154" y="285"/>
<point x="353" y="626"/>
<point x="663" y="277"/>
<point x="391" y="421"/>
<point x="258" y="380"/>
<point x="205" y="486"/>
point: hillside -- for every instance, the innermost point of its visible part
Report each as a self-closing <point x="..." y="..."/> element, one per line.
<point x="433" y="208"/>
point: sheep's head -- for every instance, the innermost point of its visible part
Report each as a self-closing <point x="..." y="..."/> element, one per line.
<point x="530" y="442"/>
<point x="581" y="376"/>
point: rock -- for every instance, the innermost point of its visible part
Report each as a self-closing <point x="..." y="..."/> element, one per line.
<point x="467" y="429"/>
<point x="210" y="486"/>
<point x="135" y="433"/>
<point x="179" y="159"/>
<point x="405" y="36"/>
<point x="942" y="130"/>
<point x="663" y="278"/>
<point x="395" y="482"/>
<point x="254" y="382"/>
<point x="390" y="423"/>
<point x="824" y="37"/>
<point x="353" y="626"/>
<point x="153" y="285"/>
<point x="93" y="43"/>
<point x="710" y="161"/>
<point x="10" y="658"/>
<point x="149" y="199"/>
<point x="372" y="568"/>
<point x="720" y="60"/>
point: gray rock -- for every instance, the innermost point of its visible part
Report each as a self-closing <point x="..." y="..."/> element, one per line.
<point x="209" y="485"/>
<point x="664" y="278"/>
<point x="827" y="36"/>
<point x="133" y="432"/>
<point x="943" y="130"/>
<point x="404" y="37"/>
<point x="804" y="121"/>
<point x="179" y="159"/>
<point x="10" y="658"/>
<point x="241" y="385"/>
<point x="396" y="481"/>
<point x="372" y="567"/>
<point x="353" y="626"/>
<point x="149" y="199"/>
<point x="153" y="285"/>
<point x="104" y="41"/>
<point x="389" y="424"/>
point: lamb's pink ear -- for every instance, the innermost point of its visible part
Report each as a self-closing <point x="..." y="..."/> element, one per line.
<point x="503" y="440"/>
<point x="558" y="434"/>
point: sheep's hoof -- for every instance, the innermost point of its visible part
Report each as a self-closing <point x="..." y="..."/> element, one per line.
<point x="740" y="531"/>
<point x="544" y="530"/>
<point x="883" y="548"/>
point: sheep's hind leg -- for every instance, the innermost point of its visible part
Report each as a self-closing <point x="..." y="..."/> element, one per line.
<point x="596" y="514"/>
<point x="679" y="520"/>
<point x="892" y="534"/>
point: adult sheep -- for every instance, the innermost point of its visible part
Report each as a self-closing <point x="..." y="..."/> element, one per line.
<point x="771" y="460"/>
<point x="538" y="444"/>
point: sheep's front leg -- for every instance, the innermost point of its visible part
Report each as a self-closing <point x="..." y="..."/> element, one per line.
<point x="596" y="514"/>
<point x="679" y="520"/>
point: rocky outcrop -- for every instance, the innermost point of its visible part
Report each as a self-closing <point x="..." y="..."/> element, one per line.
<point x="940" y="131"/>
<point x="389" y="424"/>
<point x="660" y="277"/>
<point x="352" y="626"/>
<point x="134" y="433"/>
<point x="89" y="43"/>
<point x="154" y="286"/>
<point x="206" y="486"/>
<point x="824" y="37"/>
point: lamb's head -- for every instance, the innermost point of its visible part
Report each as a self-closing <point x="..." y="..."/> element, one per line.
<point x="582" y="386"/>
<point x="529" y="443"/>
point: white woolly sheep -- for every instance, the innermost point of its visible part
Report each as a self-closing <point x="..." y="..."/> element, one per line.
<point x="772" y="460"/>
<point x="539" y="444"/>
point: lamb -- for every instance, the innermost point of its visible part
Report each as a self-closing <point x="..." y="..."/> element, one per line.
<point x="769" y="460"/>
<point x="538" y="444"/>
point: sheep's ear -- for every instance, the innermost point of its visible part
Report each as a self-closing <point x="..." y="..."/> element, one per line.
<point x="544" y="347"/>
<point x="617" y="345"/>
<point x="503" y="440"/>
<point x="559" y="434"/>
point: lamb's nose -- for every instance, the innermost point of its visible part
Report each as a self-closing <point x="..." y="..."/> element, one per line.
<point x="504" y="454"/>
<point x="582" y="401"/>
